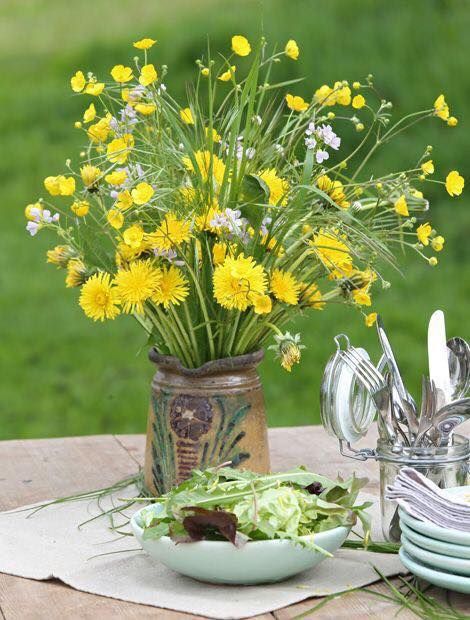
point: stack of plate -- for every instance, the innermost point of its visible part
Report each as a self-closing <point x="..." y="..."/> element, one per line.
<point x="437" y="554"/>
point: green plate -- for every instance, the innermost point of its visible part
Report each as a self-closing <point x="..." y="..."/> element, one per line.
<point x="437" y="546"/>
<point x="439" y="561"/>
<point x="436" y="577"/>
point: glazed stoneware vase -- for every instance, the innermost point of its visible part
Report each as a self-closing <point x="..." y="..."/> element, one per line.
<point x="204" y="417"/>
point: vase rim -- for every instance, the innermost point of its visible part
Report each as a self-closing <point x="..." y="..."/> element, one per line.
<point x="225" y="364"/>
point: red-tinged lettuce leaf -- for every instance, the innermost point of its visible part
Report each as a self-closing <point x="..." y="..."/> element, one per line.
<point x="204" y="524"/>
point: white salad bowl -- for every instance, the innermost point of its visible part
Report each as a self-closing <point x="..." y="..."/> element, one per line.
<point x="261" y="561"/>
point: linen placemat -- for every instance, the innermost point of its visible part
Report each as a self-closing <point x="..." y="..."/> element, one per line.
<point x="49" y="544"/>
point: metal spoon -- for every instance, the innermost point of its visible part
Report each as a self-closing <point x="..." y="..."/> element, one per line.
<point x="448" y="418"/>
<point x="458" y="354"/>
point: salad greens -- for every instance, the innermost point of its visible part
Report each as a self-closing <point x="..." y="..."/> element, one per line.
<point x="229" y="504"/>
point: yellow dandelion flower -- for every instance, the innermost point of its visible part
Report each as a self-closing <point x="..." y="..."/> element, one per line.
<point x="148" y="75"/>
<point x="278" y="187"/>
<point x="145" y="108"/>
<point x="171" y="233"/>
<point x="60" y="255"/>
<point x="121" y="74"/>
<point x="219" y="252"/>
<point x="76" y="273"/>
<point x="291" y="49"/>
<point x="423" y="233"/>
<point x="98" y="298"/>
<point x="173" y="287"/>
<point x="115" y="218"/>
<point x="136" y="284"/>
<point x="438" y="243"/>
<point x="133" y="236"/>
<point x="334" y="189"/>
<point x="361" y="297"/>
<point x="118" y="149"/>
<point x="240" y="45"/>
<point x="401" y="206"/>
<point x="358" y="102"/>
<point x="332" y="251"/>
<point x="285" y="287"/>
<point x="370" y="319"/>
<point x="262" y="304"/>
<point x="144" y="44"/>
<point x="117" y="177"/>
<point x="187" y="116"/>
<point x="227" y="75"/>
<point x="428" y="167"/>
<point x="80" y="208"/>
<point x="454" y="183"/>
<point x="238" y="281"/>
<point x="94" y="88"/>
<point x="203" y="164"/>
<point x="90" y="174"/>
<point x="89" y="114"/>
<point x="312" y="297"/>
<point x="296" y="103"/>
<point x="142" y="193"/>
<point x="77" y="82"/>
<point x="216" y="137"/>
<point x="203" y="222"/>
<point x="441" y="109"/>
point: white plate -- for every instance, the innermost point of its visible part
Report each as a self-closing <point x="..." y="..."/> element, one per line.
<point x="435" y="531"/>
<point x="439" y="561"/>
<point x="437" y="578"/>
<point x="434" y="545"/>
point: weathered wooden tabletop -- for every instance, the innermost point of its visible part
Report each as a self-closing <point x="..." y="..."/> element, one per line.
<point x="40" y="469"/>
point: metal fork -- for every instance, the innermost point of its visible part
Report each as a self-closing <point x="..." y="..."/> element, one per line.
<point x="375" y="385"/>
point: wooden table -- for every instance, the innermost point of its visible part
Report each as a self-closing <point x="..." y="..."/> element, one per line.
<point x="40" y="469"/>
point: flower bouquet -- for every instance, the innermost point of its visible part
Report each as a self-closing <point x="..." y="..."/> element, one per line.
<point x="216" y="221"/>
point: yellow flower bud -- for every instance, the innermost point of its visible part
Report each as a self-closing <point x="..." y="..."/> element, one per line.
<point x="379" y="186"/>
<point x="356" y="85"/>
<point x="360" y="127"/>
<point x="205" y="71"/>
<point x="77" y="124"/>
<point x="433" y="261"/>
<point x="452" y="121"/>
<point x="331" y="115"/>
<point x="422" y="177"/>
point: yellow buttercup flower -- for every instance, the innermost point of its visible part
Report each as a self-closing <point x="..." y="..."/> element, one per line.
<point x="133" y="236"/>
<point x="118" y="149"/>
<point x="240" y="45"/>
<point x="332" y="251"/>
<point x="90" y="174"/>
<point x="187" y="116"/>
<point x="142" y="193"/>
<point x="98" y="298"/>
<point x="124" y="200"/>
<point x="361" y="297"/>
<point x="121" y="74"/>
<point x="115" y="218"/>
<point x="203" y="163"/>
<point x="89" y="113"/>
<point x="278" y="187"/>
<point x="342" y="93"/>
<point x="370" y="319"/>
<point x="227" y="75"/>
<point x="238" y="281"/>
<point x="324" y="96"/>
<point x="216" y="137"/>
<point x="52" y="185"/>
<point x="173" y="288"/>
<point x="358" y="102"/>
<point x="117" y="177"/>
<point x="423" y="233"/>
<point x="427" y="167"/>
<point x="438" y="243"/>
<point x="441" y="109"/>
<point x="401" y="206"/>
<point x="334" y="189"/>
<point x="94" y="88"/>
<point x="454" y="183"/>
<point x="262" y="304"/>
<point x="144" y="44"/>
<point x="148" y="75"/>
<point x="98" y="132"/>
<point x="80" y="208"/>
<point x="60" y="185"/>
<point x="291" y="49"/>
<point x="28" y="211"/>
<point x="136" y="284"/>
<point x="296" y="103"/>
<point x="145" y="108"/>
<point x="77" y="82"/>
<point x="171" y="233"/>
<point x="285" y="287"/>
<point x="76" y="273"/>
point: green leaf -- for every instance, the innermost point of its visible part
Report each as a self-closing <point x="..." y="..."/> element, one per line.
<point x="255" y="194"/>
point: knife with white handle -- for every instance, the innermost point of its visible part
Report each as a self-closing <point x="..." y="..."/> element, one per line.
<point x="437" y="354"/>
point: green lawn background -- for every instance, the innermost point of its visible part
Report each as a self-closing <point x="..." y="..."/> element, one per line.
<point x="62" y="374"/>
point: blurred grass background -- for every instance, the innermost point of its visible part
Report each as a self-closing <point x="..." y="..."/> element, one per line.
<point x="62" y="374"/>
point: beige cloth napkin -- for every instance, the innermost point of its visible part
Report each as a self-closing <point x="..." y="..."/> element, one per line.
<point x="49" y="544"/>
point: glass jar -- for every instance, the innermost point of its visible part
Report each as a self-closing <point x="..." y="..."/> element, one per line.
<point x="447" y="466"/>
